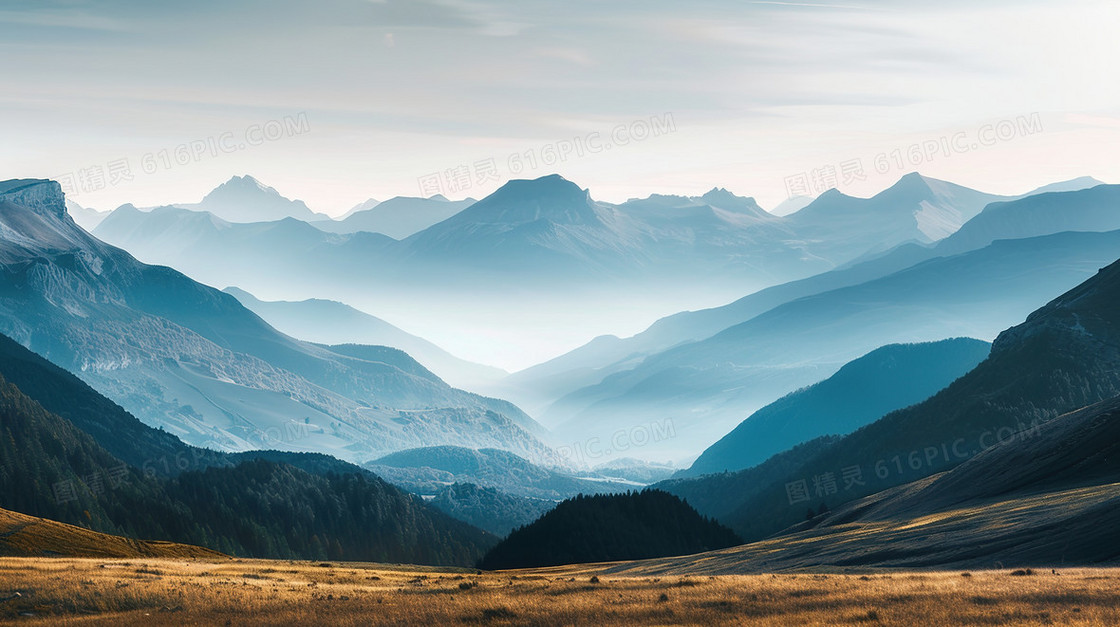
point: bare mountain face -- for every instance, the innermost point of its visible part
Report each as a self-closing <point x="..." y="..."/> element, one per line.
<point x="192" y="360"/>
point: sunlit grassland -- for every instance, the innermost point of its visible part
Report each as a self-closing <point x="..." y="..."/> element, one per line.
<point x="261" y="592"/>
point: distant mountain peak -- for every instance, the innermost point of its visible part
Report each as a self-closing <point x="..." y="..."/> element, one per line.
<point x="550" y="183"/>
<point x="246" y="199"/>
<point x="720" y="197"/>
<point x="247" y="183"/>
<point x="910" y="183"/>
<point x="832" y="192"/>
<point x="520" y="200"/>
<point x="439" y="197"/>
<point x="537" y="205"/>
<point x="1072" y="185"/>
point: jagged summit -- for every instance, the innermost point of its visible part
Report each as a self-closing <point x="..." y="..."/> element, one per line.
<point x="240" y="185"/>
<point x="723" y="199"/>
<point x="245" y="199"/>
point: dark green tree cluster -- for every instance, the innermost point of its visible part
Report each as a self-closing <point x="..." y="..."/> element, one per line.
<point x="489" y="508"/>
<point x="610" y="527"/>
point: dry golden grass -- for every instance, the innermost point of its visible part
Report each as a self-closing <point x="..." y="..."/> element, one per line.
<point x="22" y="535"/>
<point x="259" y="592"/>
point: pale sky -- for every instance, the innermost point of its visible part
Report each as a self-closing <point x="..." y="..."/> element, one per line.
<point x="378" y="95"/>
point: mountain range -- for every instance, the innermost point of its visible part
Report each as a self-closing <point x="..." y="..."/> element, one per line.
<point x="256" y="504"/>
<point x="245" y="199"/>
<point x="1013" y="464"/>
<point x="754" y="345"/>
<point x="1040" y="213"/>
<point x="1046" y="501"/>
<point x="332" y="322"/>
<point x="1062" y="358"/>
<point x="397" y="217"/>
<point x="192" y="360"/>
<point x="905" y="449"/>
<point x="709" y="386"/>
<point x="545" y="249"/>
<point x="898" y="275"/>
<point x="556" y="231"/>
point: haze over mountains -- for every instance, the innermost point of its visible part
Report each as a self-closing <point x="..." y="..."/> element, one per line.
<point x="860" y="347"/>
<point x="544" y="250"/>
<point x="397" y="217"/>
<point x="86" y="218"/>
<point x="1062" y="358"/>
<point x="332" y="322"/>
<point x="245" y="199"/>
<point x="710" y="385"/>
<point x="533" y="237"/>
<point x="782" y="338"/>
<point x="1090" y="211"/>
<point x="886" y="379"/>
<point x="194" y="361"/>
<point x="71" y="455"/>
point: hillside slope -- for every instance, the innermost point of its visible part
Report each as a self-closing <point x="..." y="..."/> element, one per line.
<point x="1071" y="206"/>
<point x="1065" y="356"/>
<point x="707" y="387"/>
<point x="886" y="379"/>
<point x="1048" y="500"/>
<point x="28" y="536"/>
<point x="331" y="322"/>
<point x="248" y="506"/>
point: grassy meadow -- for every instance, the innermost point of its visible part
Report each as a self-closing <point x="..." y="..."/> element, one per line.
<point x="150" y="591"/>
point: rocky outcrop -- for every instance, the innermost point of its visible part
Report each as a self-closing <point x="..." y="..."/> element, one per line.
<point x="43" y="196"/>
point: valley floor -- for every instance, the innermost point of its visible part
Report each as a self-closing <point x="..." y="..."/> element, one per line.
<point x="259" y="592"/>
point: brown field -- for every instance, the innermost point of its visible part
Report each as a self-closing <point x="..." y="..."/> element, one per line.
<point x="151" y="591"/>
<point x="27" y="536"/>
